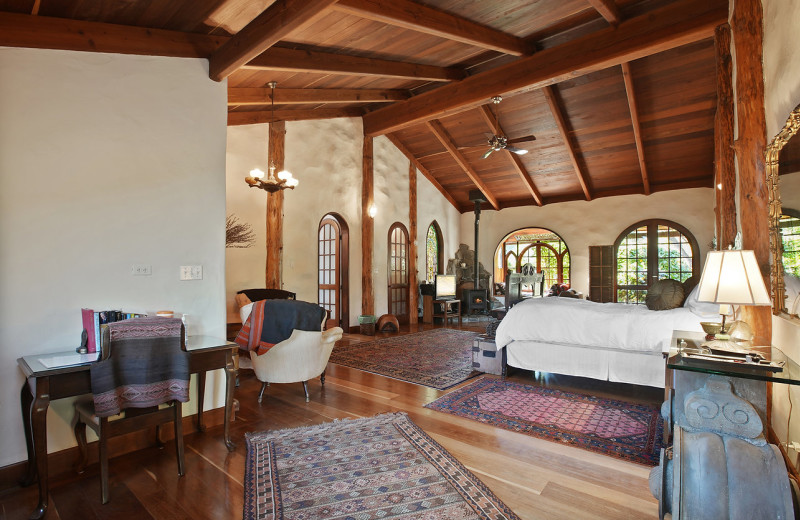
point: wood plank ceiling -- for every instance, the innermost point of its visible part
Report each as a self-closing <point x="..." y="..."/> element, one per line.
<point x="619" y="94"/>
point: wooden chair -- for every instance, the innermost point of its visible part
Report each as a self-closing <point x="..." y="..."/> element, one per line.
<point x="139" y="382"/>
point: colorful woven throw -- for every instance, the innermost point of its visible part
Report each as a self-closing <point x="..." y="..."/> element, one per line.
<point x="617" y="428"/>
<point x="367" y="469"/>
<point x="438" y="358"/>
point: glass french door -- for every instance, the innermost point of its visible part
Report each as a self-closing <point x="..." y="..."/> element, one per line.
<point x="329" y="277"/>
<point x="398" y="272"/>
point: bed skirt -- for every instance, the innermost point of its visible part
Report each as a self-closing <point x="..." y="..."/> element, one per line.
<point x="622" y="366"/>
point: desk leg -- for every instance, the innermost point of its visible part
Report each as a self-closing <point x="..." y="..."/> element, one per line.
<point x="230" y="381"/>
<point x="201" y="396"/>
<point x="35" y="399"/>
<point x="667" y="399"/>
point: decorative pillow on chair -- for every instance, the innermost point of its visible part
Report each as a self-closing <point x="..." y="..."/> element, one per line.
<point x="664" y="295"/>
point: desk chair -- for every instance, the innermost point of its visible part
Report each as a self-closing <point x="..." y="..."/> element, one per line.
<point x="143" y="365"/>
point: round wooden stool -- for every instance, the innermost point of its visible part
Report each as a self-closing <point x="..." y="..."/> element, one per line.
<point x="388" y="323"/>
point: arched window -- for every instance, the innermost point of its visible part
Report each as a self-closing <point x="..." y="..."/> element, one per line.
<point x="398" y="272"/>
<point x="537" y="246"/>
<point x="433" y="252"/>
<point x="789" y="227"/>
<point x="653" y="250"/>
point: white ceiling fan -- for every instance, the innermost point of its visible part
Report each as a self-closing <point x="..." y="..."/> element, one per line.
<point x="501" y="142"/>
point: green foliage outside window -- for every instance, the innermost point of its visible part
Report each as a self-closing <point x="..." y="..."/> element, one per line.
<point x="790" y="242"/>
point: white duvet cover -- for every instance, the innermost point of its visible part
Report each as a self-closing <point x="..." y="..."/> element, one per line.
<point x="602" y="325"/>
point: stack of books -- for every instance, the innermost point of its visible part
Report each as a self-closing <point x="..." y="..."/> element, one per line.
<point x="93" y="322"/>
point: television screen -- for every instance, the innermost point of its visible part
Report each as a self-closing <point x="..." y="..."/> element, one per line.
<point x="445" y="286"/>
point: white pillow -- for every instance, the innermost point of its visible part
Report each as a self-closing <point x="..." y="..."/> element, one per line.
<point x="244" y="312"/>
<point x="702" y="309"/>
<point x="792" y="286"/>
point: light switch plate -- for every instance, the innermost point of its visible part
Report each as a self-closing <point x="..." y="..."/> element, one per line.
<point x="191" y="272"/>
<point x="141" y="270"/>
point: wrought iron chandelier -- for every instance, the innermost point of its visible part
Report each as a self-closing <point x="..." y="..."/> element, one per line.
<point x="272" y="183"/>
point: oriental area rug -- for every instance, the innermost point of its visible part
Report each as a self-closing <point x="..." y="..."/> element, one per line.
<point x="367" y="469"/>
<point x="616" y="428"/>
<point x="438" y="358"/>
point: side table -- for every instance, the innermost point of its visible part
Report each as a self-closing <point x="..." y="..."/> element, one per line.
<point x="449" y="309"/>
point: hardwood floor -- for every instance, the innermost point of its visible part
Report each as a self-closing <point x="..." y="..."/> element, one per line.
<point x="538" y="479"/>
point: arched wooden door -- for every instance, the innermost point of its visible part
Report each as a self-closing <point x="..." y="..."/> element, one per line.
<point x="398" y="272"/>
<point x="332" y="270"/>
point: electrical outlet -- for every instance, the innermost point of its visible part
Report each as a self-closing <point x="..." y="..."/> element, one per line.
<point x="191" y="272"/>
<point x="141" y="270"/>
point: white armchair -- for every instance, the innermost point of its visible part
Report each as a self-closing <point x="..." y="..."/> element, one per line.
<point x="302" y="357"/>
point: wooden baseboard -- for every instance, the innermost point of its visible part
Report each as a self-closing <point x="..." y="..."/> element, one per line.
<point x="61" y="462"/>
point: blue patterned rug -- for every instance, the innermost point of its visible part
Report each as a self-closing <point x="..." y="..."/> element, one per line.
<point x="438" y="358"/>
<point x="364" y="469"/>
<point x="620" y="429"/>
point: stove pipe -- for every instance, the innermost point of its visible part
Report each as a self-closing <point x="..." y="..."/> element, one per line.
<point x="477" y="197"/>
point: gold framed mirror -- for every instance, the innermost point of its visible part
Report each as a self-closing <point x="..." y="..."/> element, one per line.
<point x="774" y="169"/>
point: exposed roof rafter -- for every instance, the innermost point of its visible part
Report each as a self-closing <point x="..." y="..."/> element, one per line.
<point x="300" y="96"/>
<point x="419" y="17"/>
<point x="637" y="128"/>
<point x="294" y="60"/>
<point x="443" y="136"/>
<point x="679" y="23"/>
<point x="274" y="24"/>
<point x="561" y="122"/>
<point x="266" y="116"/>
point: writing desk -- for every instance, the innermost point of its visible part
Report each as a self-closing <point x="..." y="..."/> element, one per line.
<point x="43" y="384"/>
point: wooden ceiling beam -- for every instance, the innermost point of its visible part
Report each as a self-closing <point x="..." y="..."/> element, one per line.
<point x="494" y="125"/>
<point x="679" y="23"/>
<point x="410" y="156"/>
<point x="428" y="20"/>
<point x="563" y="129"/>
<point x="303" y="96"/>
<point x="441" y="134"/>
<point x="266" y="116"/>
<point x="637" y="127"/>
<point x="278" y="21"/>
<point x="608" y="10"/>
<point x="44" y="32"/>
<point x="294" y="60"/>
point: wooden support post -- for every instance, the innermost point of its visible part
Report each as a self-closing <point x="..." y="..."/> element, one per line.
<point x="275" y="152"/>
<point x="413" y="276"/>
<point x="367" y="231"/>
<point x="724" y="169"/>
<point x="747" y="31"/>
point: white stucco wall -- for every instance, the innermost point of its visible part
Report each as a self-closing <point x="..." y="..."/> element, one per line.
<point x="245" y="268"/>
<point x="599" y="222"/>
<point x="105" y="161"/>
<point x="325" y="156"/>
<point x="781" y="95"/>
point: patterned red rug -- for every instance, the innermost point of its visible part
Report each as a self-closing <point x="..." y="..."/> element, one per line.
<point x="438" y="358"/>
<point x="617" y="428"/>
<point x="374" y="468"/>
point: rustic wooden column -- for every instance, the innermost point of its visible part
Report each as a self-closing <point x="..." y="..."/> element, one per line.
<point x="275" y="152"/>
<point x="724" y="168"/>
<point x="413" y="276"/>
<point x="367" y="231"/>
<point x="746" y="26"/>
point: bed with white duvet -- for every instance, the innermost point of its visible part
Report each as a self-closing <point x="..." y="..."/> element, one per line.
<point x="607" y="341"/>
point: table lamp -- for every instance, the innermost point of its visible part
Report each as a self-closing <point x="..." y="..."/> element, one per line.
<point x="732" y="277"/>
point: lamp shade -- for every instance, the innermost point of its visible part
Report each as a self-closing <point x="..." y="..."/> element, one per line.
<point x="732" y="277"/>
